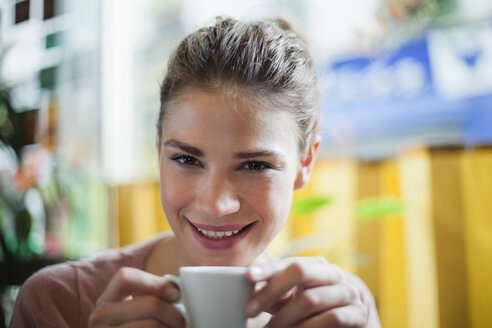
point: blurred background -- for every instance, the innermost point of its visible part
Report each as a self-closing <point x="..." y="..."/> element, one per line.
<point x="401" y="195"/>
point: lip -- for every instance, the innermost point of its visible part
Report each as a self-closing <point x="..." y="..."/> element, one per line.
<point x="223" y="243"/>
<point x="230" y="227"/>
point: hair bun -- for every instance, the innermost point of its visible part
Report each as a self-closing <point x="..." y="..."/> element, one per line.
<point x="283" y="24"/>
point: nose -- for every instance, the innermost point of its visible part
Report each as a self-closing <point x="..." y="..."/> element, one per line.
<point x="217" y="196"/>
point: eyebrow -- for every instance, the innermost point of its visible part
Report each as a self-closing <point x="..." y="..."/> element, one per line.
<point x="184" y="147"/>
<point x="261" y="153"/>
<point x="197" y="152"/>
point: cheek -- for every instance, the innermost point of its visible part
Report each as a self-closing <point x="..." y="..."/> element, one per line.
<point x="281" y="202"/>
<point x="174" y="192"/>
<point x="272" y="200"/>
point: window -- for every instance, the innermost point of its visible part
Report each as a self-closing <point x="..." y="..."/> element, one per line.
<point x="47" y="77"/>
<point x="53" y="40"/>
<point x="21" y="11"/>
<point x="51" y="9"/>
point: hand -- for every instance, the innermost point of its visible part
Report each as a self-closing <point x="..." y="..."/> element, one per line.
<point x="134" y="298"/>
<point x="306" y="292"/>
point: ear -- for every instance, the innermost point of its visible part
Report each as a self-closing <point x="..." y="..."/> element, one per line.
<point x="307" y="163"/>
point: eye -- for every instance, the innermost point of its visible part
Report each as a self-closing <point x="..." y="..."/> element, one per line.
<point x="256" y="166"/>
<point x="185" y="160"/>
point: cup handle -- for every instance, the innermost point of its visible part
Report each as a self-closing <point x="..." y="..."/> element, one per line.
<point x="179" y="304"/>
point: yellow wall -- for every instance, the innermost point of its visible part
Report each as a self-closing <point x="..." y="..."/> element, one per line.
<point x="381" y="243"/>
<point x="369" y="233"/>
<point x="139" y="212"/>
<point x="448" y="218"/>
<point x="422" y="298"/>
<point x="477" y="200"/>
<point x="393" y="289"/>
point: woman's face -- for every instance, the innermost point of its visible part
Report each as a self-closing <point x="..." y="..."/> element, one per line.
<point x="227" y="173"/>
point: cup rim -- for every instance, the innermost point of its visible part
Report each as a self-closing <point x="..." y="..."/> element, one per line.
<point x="214" y="269"/>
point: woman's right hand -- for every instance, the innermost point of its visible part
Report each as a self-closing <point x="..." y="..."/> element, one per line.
<point x="135" y="298"/>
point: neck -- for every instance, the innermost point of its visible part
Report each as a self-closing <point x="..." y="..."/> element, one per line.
<point x="168" y="256"/>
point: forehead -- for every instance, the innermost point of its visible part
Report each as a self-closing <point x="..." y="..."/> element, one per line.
<point x="227" y="113"/>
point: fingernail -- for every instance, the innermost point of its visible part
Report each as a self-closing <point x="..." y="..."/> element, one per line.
<point x="252" y="308"/>
<point x="172" y="293"/>
<point x="256" y="272"/>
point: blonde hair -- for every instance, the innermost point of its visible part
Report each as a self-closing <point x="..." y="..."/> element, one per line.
<point x="263" y="57"/>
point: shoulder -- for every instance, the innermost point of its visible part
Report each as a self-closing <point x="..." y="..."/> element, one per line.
<point x="47" y="298"/>
<point x="63" y="295"/>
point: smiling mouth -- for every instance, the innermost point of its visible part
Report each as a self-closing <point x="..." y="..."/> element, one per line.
<point x="217" y="235"/>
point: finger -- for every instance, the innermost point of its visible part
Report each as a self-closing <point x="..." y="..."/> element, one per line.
<point x="313" y="301"/>
<point x="140" y="308"/>
<point x="354" y="316"/>
<point x="133" y="282"/>
<point x="303" y="273"/>
<point x="262" y="272"/>
<point x="277" y="306"/>
<point x="266" y="271"/>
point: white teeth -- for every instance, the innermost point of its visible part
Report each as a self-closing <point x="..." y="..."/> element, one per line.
<point x="218" y="234"/>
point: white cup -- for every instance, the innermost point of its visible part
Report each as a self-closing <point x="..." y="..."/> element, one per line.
<point x="213" y="296"/>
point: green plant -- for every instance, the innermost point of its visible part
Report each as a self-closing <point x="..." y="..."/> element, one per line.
<point x="310" y="204"/>
<point x="367" y="211"/>
<point x="378" y="208"/>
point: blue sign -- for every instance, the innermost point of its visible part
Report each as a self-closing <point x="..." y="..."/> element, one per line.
<point x="437" y="89"/>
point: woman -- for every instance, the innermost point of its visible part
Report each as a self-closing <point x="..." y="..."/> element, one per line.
<point x="237" y="134"/>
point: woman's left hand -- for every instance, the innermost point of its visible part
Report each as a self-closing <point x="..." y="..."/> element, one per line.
<point x="306" y="292"/>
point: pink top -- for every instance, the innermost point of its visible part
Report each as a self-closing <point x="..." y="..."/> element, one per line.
<point x="64" y="295"/>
